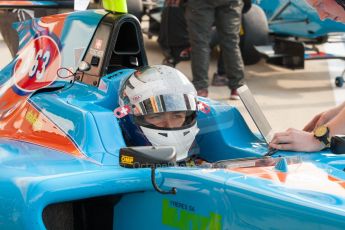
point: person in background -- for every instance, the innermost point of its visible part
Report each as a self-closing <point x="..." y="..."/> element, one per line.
<point x="174" y="40"/>
<point x="226" y="15"/>
<point x="332" y="9"/>
<point x="317" y="133"/>
<point x="173" y="35"/>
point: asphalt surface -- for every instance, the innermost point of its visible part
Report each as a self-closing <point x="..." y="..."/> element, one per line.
<point x="288" y="98"/>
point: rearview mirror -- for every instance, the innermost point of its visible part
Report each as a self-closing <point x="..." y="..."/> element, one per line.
<point x="147" y="157"/>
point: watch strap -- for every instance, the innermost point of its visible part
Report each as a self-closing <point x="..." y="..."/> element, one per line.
<point x="325" y="138"/>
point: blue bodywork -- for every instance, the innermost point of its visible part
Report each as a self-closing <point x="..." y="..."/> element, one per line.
<point x="42" y="185"/>
<point x="297" y="19"/>
<point x="33" y="177"/>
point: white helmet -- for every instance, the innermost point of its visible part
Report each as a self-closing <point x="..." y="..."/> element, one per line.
<point x="158" y="89"/>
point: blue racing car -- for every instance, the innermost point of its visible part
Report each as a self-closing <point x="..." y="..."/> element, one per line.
<point x="65" y="163"/>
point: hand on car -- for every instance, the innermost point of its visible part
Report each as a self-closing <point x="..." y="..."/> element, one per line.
<point x="324" y="117"/>
<point x="296" y="140"/>
<point x="321" y="119"/>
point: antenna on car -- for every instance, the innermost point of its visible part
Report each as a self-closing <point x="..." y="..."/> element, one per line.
<point x="117" y="6"/>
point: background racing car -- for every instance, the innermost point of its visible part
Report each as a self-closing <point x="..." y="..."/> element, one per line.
<point x="284" y="32"/>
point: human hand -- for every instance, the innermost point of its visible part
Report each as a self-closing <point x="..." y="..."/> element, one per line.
<point x="321" y="119"/>
<point x="296" y="140"/>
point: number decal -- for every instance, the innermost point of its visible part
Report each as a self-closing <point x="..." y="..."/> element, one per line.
<point x="37" y="64"/>
<point x="27" y="62"/>
<point x="33" y="69"/>
<point x="40" y="57"/>
<point x="45" y="58"/>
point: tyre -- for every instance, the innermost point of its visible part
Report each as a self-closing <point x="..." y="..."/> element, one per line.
<point x="135" y="7"/>
<point x="254" y="32"/>
<point x="247" y="6"/>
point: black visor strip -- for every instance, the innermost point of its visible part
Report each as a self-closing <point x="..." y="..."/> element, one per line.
<point x="186" y="100"/>
<point x="162" y="102"/>
<point x="148" y="106"/>
<point x="143" y="108"/>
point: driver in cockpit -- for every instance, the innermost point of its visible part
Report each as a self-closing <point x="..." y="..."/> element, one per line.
<point x="158" y="107"/>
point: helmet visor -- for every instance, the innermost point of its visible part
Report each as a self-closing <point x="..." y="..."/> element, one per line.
<point x="166" y="103"/>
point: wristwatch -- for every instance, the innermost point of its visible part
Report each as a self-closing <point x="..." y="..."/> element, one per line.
<point x="322" y="134"/>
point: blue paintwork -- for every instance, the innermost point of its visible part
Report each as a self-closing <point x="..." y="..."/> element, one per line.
<point x="33" y="177"/>
<point x="37" y="3"/>
<point x="85" y="22"/>
<point x="312" y="26"/>
<point x="243" y="203"/>
<point x="282" y="166"/>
